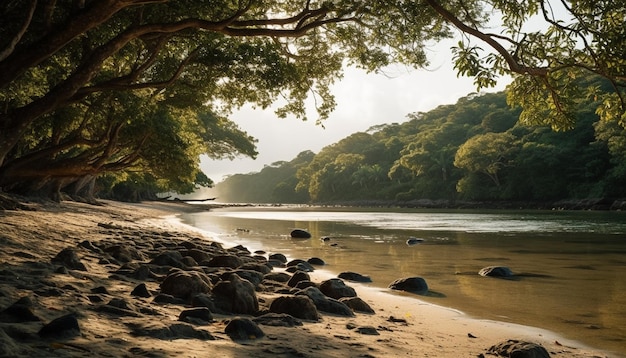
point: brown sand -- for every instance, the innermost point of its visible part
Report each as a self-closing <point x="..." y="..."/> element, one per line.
<point x="29" y="239"/>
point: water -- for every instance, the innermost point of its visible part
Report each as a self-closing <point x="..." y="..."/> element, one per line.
<point x="570" y="265"/>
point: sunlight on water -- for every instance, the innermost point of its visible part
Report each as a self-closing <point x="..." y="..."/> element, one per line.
<point x="463" y="222"/>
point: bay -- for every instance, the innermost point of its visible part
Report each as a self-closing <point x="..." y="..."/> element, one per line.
<point x="570" y="266"/>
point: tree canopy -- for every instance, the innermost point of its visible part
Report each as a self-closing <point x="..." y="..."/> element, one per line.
<point x="98" y="87"/>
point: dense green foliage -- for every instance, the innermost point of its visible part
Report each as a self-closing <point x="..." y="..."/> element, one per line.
<point x="473" y="150"/>
<point x="135" y="90"/>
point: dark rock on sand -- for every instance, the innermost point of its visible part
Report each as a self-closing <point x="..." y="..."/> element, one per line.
<point x="410" y="284"/>
<point x="201" y="315"/>
<point x="304" y="284"/>
<point x="367" y="330"/>
<point x="243" y="329"/>
<point x="62" y="327"/>
<point x="141" y="291"/>
<point x="20" y="311"/>
<point x="69" y="259"/>
<point x="124" y="253"/>
<point x="278" y="257"/>
<point x="326" y="304"/>
<point x="278" y="320"/>
<point x="254" y="277"/>
<point x="185" y="284"/>
<point x="120" y="307"/>
<point x="353" y="276"/>
<point x="164" y="298"/>
<point x="168" y="258"/>
<point x="278" y="277"/>
<point x="197" y="255"/>
<point x="519" y="349"/>
<point x="297" y="277"/>
<point x="357" y="304"/>
<point x="230" y="261"/>
<point x="316" y="261"/>
<point x="300" y="234"/>
<point x="336" y="289"/>
<point x="300" y="265"/>
<point x="496" y="271"/>
<point x="297" y="306"/>
<point x="174" y="331"/>
<point x="236" y="295"/>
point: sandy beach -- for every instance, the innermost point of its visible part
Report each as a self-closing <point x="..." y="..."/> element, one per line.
<point x="117" y="248"/>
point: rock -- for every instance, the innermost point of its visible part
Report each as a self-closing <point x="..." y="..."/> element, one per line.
<point x="185" y="284"/>
<point x="297" y="306"/>
<point x="254" y="277"/>
<point x="519" y="349"/>
<point x="168" y="258"/>
<point x="414" y="241"/>
<point x="496" y="271"/>
<point x="141" y="291"/>
<point x="304" y="284"/>
<point x="410" y="284"/>
<point x="353" y="276"/>
<point x="278" y="277"/>
<point x="236" y="296"/>
<point x="120" y="307"/>
<point x="20" y="311"/>
<point x="62" y="327"/>
<point x="164" y="298"/>
<point x="368" y="330"/>
<point x="124" y="253"/>
<point x="194" y="315"/>
<point x="297" y="277"/>
<point x="336" y="289"/>
<point x="300" y="234"/>
<point x="197" y="255"/>
<point x="278" y="257"/>
<point x="243" y="329"/>
<point x="174" y="331"/>
<point x="278" y="320"/>
<point x="230" y="261"/>
<point x="326" y="304"/>
<point x="357" y="304"/>
<point x="316" y="261"/>
<point x="69" y="259"/>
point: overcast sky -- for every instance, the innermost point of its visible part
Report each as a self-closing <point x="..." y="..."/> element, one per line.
<point x="363" y="100"/>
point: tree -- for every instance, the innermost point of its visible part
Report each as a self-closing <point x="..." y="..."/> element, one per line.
<point x="58" y="59"/>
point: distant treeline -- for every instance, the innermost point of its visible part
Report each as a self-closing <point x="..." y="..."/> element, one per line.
<point x="474" y="150"/>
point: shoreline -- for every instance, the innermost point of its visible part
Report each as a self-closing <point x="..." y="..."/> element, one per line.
<point x="426" y="330"/>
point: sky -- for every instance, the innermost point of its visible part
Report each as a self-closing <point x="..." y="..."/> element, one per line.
<point x="363" y="100"/>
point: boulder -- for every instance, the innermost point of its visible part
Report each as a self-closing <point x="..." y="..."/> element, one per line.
<point x="297" y="306"/>
<point x="326" y="304"/>
<point x="410" y="284"/>
<point x="316" y="261"/>
<point x="254" y="277"/>
<point x="353" y="276"/>
<point x="496" y="271"/>
<point x="519" y="349"/>
<point x="243" y="329"/>
<point x="60" y="328"/>
<point x="20" y="311"/>
<point x="196" y="315"/>
<point x="278" y="257"/>
<point x="297" y="277"/>
<point x="278" y="320"/>
<point x="236" y="295"/>
<point x="357" y="304"/>
<point x="185" y="284"/>
<point x="69" y="259"/>
<point x="141" y="291"/>
<point x="336" y="288"/>
<point x="231" y="261"/>
<point x="300" y="234"/>
<point x="168" y="258"/>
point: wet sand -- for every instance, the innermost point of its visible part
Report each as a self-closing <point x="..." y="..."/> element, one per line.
<point x="30" y="239"/>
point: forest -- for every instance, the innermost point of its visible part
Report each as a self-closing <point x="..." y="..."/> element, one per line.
<point x="120" y="98"/>
<point x="474" y="150"/>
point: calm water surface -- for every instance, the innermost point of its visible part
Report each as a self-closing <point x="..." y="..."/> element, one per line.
<point x="571" y="266"/>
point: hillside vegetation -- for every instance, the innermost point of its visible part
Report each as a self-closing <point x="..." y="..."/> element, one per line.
<point x="474" y="150"/>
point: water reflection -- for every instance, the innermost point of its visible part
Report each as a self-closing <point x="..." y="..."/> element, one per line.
<point x="569" y="265"/>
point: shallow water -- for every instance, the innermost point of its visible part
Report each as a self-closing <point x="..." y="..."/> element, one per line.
<point x="570" y="266"/>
